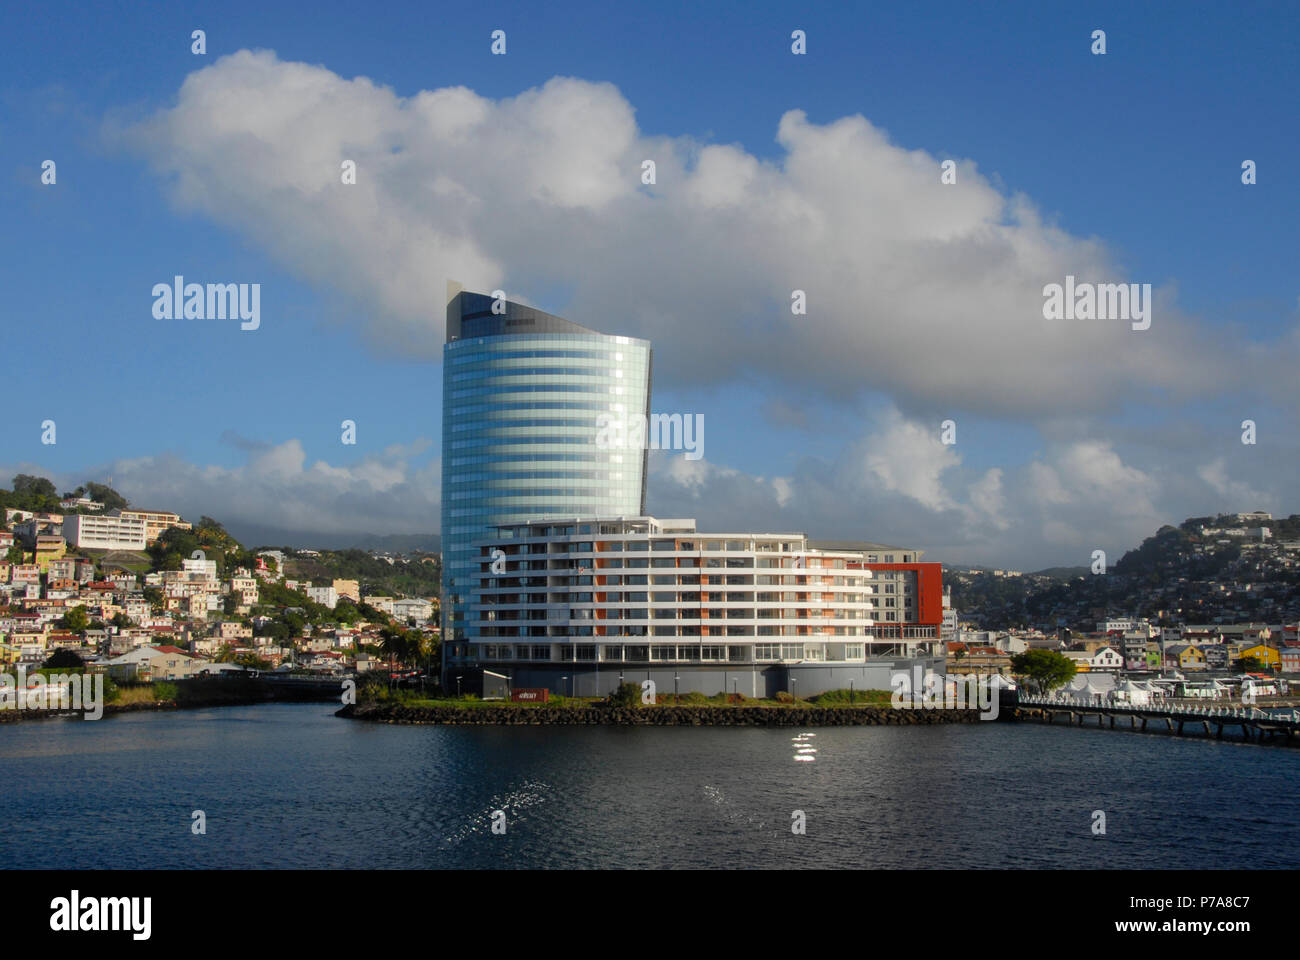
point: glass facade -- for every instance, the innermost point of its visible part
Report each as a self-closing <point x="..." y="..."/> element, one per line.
<point x="522" y="391"/>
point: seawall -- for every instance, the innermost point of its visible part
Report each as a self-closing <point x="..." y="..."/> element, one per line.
<point x="667" y="716"/>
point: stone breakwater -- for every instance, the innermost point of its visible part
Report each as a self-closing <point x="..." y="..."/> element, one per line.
<point x="672" y="716"/>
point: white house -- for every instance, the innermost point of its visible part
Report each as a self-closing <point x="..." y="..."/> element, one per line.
<point x="1106" y="658"/>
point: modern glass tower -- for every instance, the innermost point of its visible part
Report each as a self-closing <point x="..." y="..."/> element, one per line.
<point x="521" y="393"/>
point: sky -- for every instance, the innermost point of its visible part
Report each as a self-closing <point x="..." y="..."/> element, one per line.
<point x="775" y="172"/>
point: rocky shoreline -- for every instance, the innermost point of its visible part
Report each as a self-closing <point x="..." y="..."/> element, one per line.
<point x="242" y="698"/>
<point x="666" y="716"/>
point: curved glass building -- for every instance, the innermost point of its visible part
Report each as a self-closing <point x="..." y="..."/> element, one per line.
<point x="521" y="394"/>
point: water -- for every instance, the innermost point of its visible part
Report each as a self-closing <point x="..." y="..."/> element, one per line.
<point x="290" y="785"/>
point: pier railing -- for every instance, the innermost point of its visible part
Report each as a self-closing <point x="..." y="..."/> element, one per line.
<point x="1191" y="711"/>
<point x="1255" y="723"/>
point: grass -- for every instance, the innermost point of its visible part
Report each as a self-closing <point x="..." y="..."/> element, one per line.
<point x="144" y="693"/>
<point x="832" y="698"/>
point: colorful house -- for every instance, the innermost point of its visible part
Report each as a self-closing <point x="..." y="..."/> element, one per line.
<point x="1261" y="652"/>
<point x="1185" y="656"/>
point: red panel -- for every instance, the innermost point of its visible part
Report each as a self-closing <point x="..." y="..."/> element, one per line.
<point x="929" y="588"/>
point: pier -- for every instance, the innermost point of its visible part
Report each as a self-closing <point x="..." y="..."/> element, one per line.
<point x="1180" y="719"/>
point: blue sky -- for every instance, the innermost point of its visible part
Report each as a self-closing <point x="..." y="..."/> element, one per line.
<point x="1140" y="149"/>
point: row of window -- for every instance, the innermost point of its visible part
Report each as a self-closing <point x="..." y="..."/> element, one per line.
<point x="633" y="653"/>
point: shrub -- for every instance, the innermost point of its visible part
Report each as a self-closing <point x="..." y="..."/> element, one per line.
<point x="843" y="697"/>
<point x="625" y="695"/>
<point x="694" y="698"/>
<point x="165" y="691"/>
<point x="784" y="696"/>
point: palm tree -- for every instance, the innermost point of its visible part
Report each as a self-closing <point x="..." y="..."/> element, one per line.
<point x="394" y="644"/>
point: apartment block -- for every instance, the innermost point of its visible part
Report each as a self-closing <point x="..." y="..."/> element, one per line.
<point x="105" y="533"/>
<point x="593" y="600"/>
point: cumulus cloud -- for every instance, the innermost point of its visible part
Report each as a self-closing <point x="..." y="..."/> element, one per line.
<point x="929" y="292"/>
<point x="1055" y="509"/>
<point x="277" y="487"/>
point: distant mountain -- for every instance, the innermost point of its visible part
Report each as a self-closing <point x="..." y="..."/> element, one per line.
<point x="1063" y="573"/>
<point x="259" y="537"/>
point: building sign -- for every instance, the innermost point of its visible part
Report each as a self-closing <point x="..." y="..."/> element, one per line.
<point x="530" y="695"/>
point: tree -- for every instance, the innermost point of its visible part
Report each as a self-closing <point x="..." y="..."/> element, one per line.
<point x="64" y="659"/>
<point x="76" y="620"/>
<point x="1046" y="668"/>
<point x="110" y="498"/>
<point x="394" y="643"/>
<point x="157" y="602"/>
<point x="1251" y="665"/>
<point x="25" y="485"/>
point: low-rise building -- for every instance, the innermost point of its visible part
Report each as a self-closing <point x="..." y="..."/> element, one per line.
<point x="163" y="662"/>
<point x="1185" y="656"/>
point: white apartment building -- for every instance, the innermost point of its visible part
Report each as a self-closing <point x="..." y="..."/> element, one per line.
<point x="326" y="596"/>
<point x="104" y="533"/>
<point x="592" y="597"/>
<point x="412" y="609"/>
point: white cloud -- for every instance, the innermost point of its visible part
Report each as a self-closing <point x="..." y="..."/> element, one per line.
<point x="1234" y="493"/>
<point x="932" y="293"/>
<point x="277" y="487"/>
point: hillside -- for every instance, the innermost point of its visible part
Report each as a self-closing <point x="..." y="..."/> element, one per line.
<point x="1177" y="575"/>
<point x="418" y="576"/>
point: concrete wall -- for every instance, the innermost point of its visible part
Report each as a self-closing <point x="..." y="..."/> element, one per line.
<point x="762" y="680"/>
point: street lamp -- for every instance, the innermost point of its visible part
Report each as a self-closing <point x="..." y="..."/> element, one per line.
<point x="562" y="679"/>
<point x="458" y="685"/>
<point x="793" y="681"/>
<point x="674" y="687"/>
